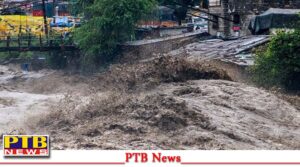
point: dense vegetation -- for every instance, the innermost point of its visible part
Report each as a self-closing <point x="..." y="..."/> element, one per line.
<point x="108" y="24"/>
<point x="279" y="64"/>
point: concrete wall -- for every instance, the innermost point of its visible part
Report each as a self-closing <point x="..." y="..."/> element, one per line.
<point x="145" y="50"/>
<point x="160" y="32"/>
<point x="164" y="32"/>
<point x="216" y="10"/>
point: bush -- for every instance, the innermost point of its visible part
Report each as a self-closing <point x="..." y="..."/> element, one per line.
<point x="278" y="64"/>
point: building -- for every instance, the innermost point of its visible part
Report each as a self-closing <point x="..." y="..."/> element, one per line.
<point x="35" y="8"/>
<point x="59" y="8"/>
<point x="232" y="17"/>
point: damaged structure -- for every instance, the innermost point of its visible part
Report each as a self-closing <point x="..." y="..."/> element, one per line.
<point x="232" y="17"/>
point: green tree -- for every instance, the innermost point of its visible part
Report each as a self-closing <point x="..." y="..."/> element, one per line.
<point x="279" y="64"/>
<point x="82" y="6"/>
<point x="110" y="23"/>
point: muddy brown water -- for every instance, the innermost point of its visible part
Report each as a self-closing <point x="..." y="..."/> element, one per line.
<point x="200" y="114"/>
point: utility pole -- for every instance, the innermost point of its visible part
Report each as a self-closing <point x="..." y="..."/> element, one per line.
<point x="54" y="11"/>
<point x="45" y="19"/>
<point x="226" y="15"/>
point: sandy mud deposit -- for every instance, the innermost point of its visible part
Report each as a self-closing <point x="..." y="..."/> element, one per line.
<point x="163" y="104"/>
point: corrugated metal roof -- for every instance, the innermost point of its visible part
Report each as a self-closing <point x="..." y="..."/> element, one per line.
<point x="281" y="11"/>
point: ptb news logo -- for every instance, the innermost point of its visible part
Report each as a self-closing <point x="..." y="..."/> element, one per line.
<point x="26" y="146"/>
